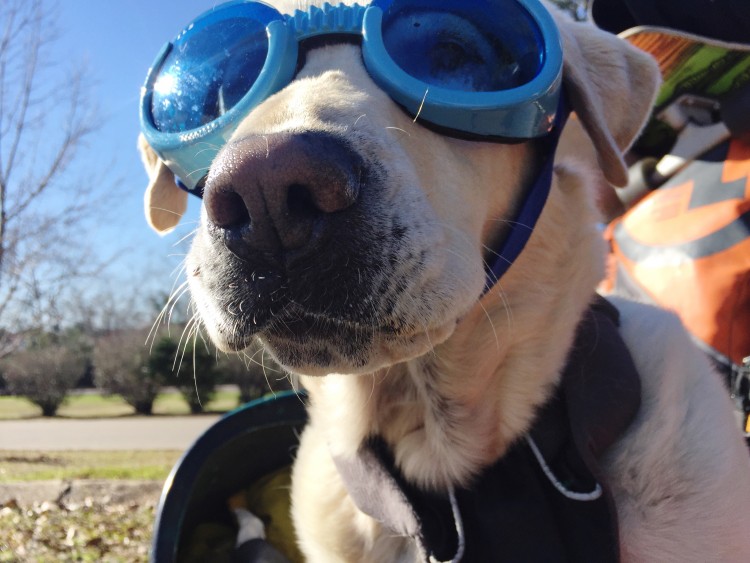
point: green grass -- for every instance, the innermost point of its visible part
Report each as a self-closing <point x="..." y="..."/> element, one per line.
<point x="101" y="406"/>
<point x="19" y="466"/>
<point x="86" y="406"/>
<point x="174" y="404"/>
<point x="17" y="407"/>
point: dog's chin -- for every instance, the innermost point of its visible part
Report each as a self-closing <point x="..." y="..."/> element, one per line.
<point x="319" y="346"/>
<point x="351" y="351"/>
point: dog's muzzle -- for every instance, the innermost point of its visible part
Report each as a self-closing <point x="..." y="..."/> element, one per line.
<point x="297" y="246"/>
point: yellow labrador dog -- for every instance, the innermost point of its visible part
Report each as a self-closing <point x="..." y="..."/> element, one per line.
<point x="351" y="236"/>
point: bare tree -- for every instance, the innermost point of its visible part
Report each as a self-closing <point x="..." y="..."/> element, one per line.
<point x="121" y="363"/>
<point x="44" y="375"/>
<point x="43" y="126"/>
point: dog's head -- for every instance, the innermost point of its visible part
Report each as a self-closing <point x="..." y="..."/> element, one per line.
<point x="347" y="236"/>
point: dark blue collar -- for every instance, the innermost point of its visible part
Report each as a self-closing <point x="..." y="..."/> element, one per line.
<point x="197" y="191"/>
<point x="531" y="208"/>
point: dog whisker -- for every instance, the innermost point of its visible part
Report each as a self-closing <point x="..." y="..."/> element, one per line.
<point x="166" y="311"/>
<point x="188" y="235"/>
<point x="195" y="367"/>
<point x="492" y="324"/>
<point x="265" y="373"/>
<point x="182" y="344"/>
<point x="184" y="289"/>
<point x="164" y="209"/>
<point x="252" y="360"/>
<point x="512" y="223"/>
<point x="179" y="270"/>
<point x="208" y="146"/>
<point x="177" y="292"/>
<point x="421" y="105"/>
<point x="498" y="255"/>
<point x="506" y="305"/>
<point x="425" y="325"/>
<point x="202" y="171"/>
<point x="484" y="246"/>
<point x="400" y="130"/>
<point x="504" y="301"/>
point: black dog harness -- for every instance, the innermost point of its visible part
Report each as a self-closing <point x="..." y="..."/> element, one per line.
<point x="546" y="499"/>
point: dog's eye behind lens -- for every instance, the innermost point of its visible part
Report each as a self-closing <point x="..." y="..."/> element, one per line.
<point x="461" y="64"/>
<point x="205" y="76"/>
<point x="480" y="50"/>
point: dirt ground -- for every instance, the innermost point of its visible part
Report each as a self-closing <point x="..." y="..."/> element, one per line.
<point x="78" y="520"/>
<point x="101" y="491"/>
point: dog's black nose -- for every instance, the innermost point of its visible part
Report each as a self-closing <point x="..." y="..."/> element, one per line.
<point x="282" y="191"/>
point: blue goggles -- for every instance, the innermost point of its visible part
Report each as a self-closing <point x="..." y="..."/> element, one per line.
<point x="488" y="69"/>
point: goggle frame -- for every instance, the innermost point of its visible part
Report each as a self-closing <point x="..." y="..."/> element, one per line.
<point x="524" y="112"/>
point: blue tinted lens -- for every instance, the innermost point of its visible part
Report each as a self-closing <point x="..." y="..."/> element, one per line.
<point x="207" y="71"/>
<point x="482" y="46"/>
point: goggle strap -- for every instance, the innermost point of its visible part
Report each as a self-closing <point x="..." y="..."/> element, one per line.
<point x="197" y="191"/>
<point x="523" y="224"/>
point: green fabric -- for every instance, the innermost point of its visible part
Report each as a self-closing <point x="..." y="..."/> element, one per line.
<point x="269" y="499"/>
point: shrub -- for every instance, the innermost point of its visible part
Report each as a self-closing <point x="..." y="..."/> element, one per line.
<point x="44" y="375"/>
<point x="190" y="366"/>
<point x="121" y="366"/>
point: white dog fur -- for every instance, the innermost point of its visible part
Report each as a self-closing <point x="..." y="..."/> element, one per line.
<point x="453" y="393"/>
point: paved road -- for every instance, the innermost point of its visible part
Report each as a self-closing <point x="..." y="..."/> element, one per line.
<point x="126" y="433"/>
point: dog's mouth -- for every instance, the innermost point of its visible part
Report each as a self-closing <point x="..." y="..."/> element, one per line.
<point x="356" y="307"/>
<point x="310" y="341"/>
<point x="315" y="322"/>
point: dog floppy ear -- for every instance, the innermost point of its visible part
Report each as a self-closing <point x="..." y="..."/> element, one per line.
<point x="164" y="203"/>
<point x="611" y="86"/>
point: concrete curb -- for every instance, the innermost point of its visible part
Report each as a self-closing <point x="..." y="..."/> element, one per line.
<point x="126" y="433"/>
<point x="81" y="491"/>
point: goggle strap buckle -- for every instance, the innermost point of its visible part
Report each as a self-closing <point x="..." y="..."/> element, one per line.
<point x="327" y="19"/>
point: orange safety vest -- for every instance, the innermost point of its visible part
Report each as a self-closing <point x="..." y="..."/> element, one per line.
<point x="686" y="247"/>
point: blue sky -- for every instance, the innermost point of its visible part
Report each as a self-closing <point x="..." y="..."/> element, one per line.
<point x="118" y="41"/>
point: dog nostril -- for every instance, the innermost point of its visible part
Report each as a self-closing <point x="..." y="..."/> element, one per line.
<point x="300" y="202"/>
<point x="226" y="208"/>
<point x="282" y="192"/>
